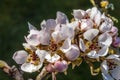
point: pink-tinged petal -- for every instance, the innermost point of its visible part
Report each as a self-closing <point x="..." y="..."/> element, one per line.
<point x="50" y="68"/>
<point x="116" y="42"/>
<point x="104" y="67"/>
<point x="56" y="36"/>
<point x="41" y="54"/>
<point x="66" y="45"/>
<point x="61" y="66"/>
<point x="82" y="45"/>
<point x="104" y="39"/>
<point x="50" y="24"/>
<point x="79" y="14"/>
<point x="90" y="34"/>
<point x="73" y="53"/>
<point x="105" y="27"/>
<point x="103" y="51"/>
<point x="31" y="27"/>
<point x="114" y="31"/>
<point x="97" y="18"/>
<point x="61" y="18"/>
<point x="86" y="24"/>
<point x="66" y="32"/>
<point x="93" y="54"/>
<point x="93" y="12"/>
<point x="33" y="38"/>
<point x="44" y="37"/>
<point x="28" y="67"/>
<point x="20" y="56"/>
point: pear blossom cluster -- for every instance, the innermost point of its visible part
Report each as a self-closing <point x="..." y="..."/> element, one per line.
<point x="90" y="36"/>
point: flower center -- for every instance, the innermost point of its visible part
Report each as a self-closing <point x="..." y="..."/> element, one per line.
<point x="112" y="65"/>
<point x="33" y="59"/>
<point x="53" y="46"/>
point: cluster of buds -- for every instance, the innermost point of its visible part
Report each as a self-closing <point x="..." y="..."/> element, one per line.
<point x="90" y="36"/>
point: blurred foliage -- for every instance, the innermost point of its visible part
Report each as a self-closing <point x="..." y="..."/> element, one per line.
<point x="14" y="15"/>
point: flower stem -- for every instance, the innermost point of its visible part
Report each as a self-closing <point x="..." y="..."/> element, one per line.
<point x="43" y="75"/>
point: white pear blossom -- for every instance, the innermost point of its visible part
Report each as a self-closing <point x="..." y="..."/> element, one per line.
<point x="111" y="67"/>
<point x="30" y="62"/>
<point x="38" y="37"/>
<point x="98" y="48"/>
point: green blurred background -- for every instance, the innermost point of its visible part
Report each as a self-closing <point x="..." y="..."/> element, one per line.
<point x="14" y="15"/>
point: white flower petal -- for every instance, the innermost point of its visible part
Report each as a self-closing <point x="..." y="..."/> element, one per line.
<point x="97" y="18"/>
<point x="93" y="13"/>
<point x="103" y="51"/>
<point x="28" y="67"/>
<point x="82" y="45"/>
<point x="53" y="58"/>
<point x="61" y="18"/>
<point x="20" y="56"/>
<point x="113" y="56"/>
<point x="104" y="67"/>
<point x="31" y="27"/>
<point x="44" y="37"/>
<point x="93" y="54"/>
<point x="43" y="24"/>
<point x="28" y="46"/>
<point x="90" y="34"/>
<point x="66" y="32"/>
<point x="41" y="54"/>
<point x="73" y="53"/>
<point x="50" y="24"/>
<point x="86" y="24"/>
<point x="79" y="14"/>
<point x="66" y="45"/>
<point x="73" y="25"/>
<point x="56" y="36"/>
<point x="33" y="38"/>
<point x="107" y="77"/>
<point x="104" y="39"/>
<point x="116" y="73"/>
<point x="105" y="27"/>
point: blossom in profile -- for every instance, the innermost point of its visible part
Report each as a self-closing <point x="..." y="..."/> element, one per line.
<point x="111" y="67"/>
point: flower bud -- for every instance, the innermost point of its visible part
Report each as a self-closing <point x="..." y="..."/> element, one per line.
<point x="116" y="42"/>
<point x="114" y="31"/>
<point x="61" y="66"/>
<point x="50" y="68"/>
